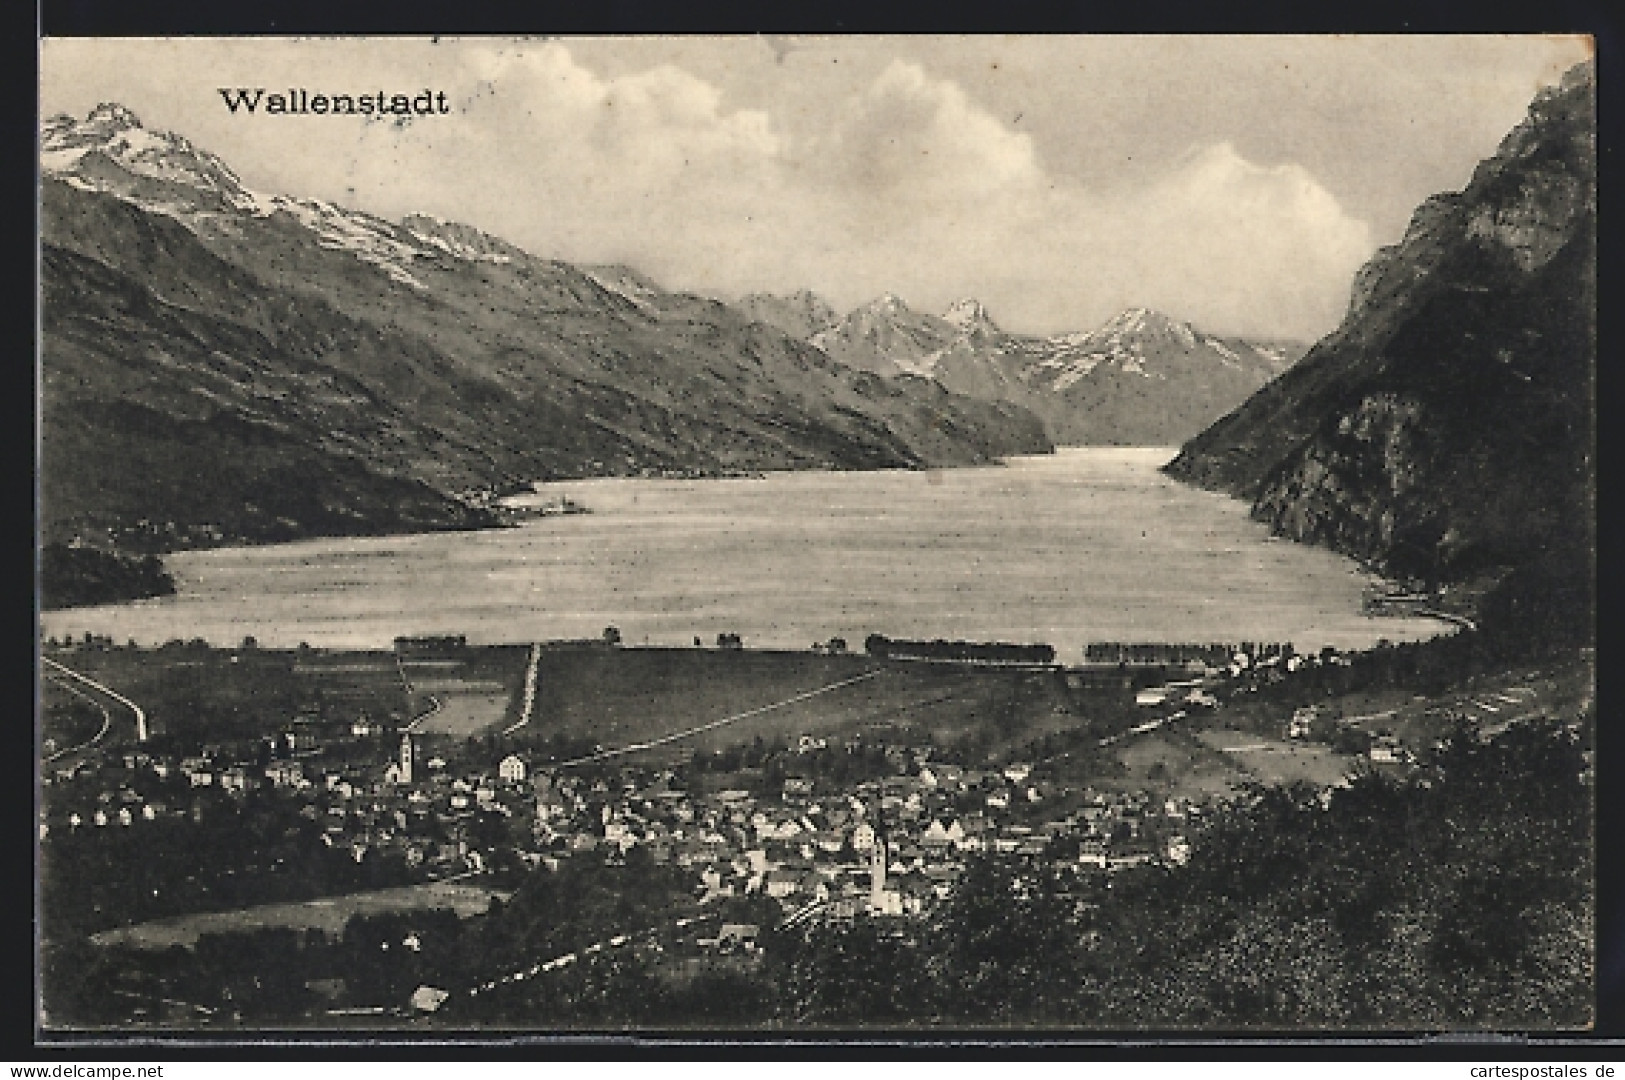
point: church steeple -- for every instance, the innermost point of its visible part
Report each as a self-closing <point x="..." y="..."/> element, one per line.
<point x="877" y="862"/>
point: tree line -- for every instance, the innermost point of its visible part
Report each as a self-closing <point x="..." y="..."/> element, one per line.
<point x="1213" y="654"/>
<point x="992" y="652"/>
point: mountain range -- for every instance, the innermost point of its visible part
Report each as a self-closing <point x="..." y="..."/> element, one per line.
<point x="1445" y="430"/>
<point x="1141" y="379"/>
<point x="221" y="365"/>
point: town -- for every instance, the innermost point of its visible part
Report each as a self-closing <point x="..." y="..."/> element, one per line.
<point x="350" y="802"/>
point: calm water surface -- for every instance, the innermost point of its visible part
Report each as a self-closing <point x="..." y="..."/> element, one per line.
<point x="1084" y="545"/>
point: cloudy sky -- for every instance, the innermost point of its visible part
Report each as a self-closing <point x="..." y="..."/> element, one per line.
<point x="1236" y="182"/>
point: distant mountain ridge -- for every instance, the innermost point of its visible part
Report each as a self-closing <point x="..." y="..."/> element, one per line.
<point x="801" y="314"/>
<point x="1143" y="378"/>
<point x="1445" y="429"/>
<point x="223" y="365"/>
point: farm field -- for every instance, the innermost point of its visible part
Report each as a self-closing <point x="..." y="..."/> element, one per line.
<point x="466" y="691"/>
<point x="632" y="696"/>
<point x="195" y="692"/>
<point x="1177" y="764"/>
<point x="1276" y="761"/>
<point x="67" y="719"/>
<point x="1490" y="704"/>
<point x="613" y="698"/>
<point x="464" y="712"/>
<point x="328" y="914"/>
<point x="1487" y="704"/>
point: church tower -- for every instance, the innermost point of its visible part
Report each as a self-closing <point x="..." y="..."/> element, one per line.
<point x="406" y="759"/>
<point x="877" y="866"/>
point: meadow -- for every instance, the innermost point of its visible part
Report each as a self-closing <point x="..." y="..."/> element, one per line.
<point x="329" y="914"/>
<point x="626" y="697"/>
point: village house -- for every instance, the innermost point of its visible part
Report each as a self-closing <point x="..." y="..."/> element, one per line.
<point x="284" y="774"/>
<point x="198" y="771"/>
<point x="737" y="936"/>
<point x="238" y="778"/>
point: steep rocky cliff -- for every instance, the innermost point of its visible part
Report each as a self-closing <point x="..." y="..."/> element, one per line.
<point x="1445" y="429"/>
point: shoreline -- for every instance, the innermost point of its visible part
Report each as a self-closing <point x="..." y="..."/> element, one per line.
<point x="896" y="549"/>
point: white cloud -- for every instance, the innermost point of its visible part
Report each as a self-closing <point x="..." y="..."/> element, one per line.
<point x="1236" y="245"/>
<point x="913" y="137"/>
<point x="654" y="121"/>
<point x="898" y="180"/>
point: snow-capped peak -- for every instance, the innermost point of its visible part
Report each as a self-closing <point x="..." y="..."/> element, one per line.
<point x="113" y="133"/>
<point x="969" y="315"/>
<point x="887" y="304"/>
<point x="109" y="151"/>
<point x="110" y="117"/>
<point x="1141" y="321"/>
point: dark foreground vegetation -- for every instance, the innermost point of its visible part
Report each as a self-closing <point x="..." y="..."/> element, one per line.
<point x="77" y="576"/>
<point x="1434" y="902"/>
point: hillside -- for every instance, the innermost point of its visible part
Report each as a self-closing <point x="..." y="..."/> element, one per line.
<point x="1141" y="379"/>
<point x="1445" y="429"/>
<point x="801" y="314"/>
<point x="221" y="365"/>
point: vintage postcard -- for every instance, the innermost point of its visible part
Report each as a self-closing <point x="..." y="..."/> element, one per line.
<point x="816" y="534"/>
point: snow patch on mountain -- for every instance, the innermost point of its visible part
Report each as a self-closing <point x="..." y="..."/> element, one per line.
<point x="623" y="283"/>
<point x="1226" y="356"/>
<point x="372" y="240"/>
<point x="969" y="316"/>
<point x="110" y="151"/>
<point x="457" y="240"/>
<point x="116" y="134"/>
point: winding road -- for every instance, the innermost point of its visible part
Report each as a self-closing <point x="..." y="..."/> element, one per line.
<point x="571" y="957"/>
<point x="435" y="706"/>
<point x="107" y="720"/>
<point x="107" y="692"/>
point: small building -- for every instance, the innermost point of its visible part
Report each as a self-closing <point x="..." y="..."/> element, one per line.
<point x="782" y="883"/>
<point x="863" y="837"/>
<point x="513" y="770"/>
<point x="427" y="999"/>
<point x="733" y="936"/>
<point x="237" y="778"/>
<point x="1386" y="748"/>
<point x="285" y="773"/>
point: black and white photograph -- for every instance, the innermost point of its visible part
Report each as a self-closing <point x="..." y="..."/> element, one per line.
<point x="806" y="536"/>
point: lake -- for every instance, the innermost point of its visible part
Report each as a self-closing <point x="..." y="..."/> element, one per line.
<point x="1084" y="545"/>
